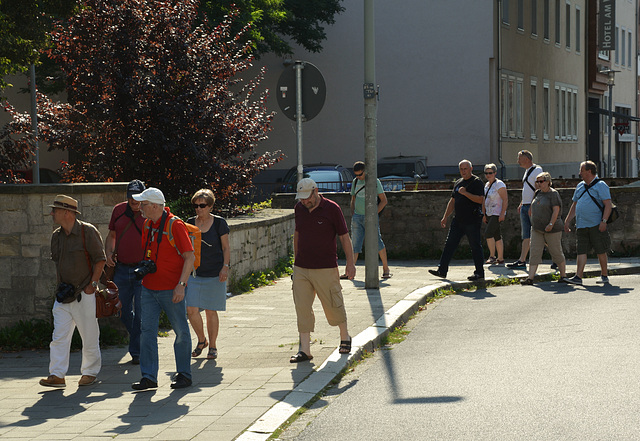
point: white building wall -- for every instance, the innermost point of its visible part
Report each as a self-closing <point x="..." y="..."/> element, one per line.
<point x="432" y="65"/>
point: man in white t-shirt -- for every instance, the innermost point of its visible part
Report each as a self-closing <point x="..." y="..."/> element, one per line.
<point x="525" y="160"/>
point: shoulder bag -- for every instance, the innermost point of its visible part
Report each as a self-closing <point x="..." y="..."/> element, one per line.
<point x="614" y="209"/>
<point x="108" y="302"/>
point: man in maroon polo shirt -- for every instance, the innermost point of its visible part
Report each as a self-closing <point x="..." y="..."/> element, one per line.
<point x="124" y="251"/>
<point x="315" y="271"/>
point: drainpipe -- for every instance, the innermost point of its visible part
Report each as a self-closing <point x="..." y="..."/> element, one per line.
<point x="503" y="168"/>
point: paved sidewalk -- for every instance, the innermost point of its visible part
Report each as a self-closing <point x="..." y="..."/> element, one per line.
<point x="248" y="391"/>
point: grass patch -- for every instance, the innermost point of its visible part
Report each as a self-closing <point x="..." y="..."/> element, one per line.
<point x="254" y="280"/>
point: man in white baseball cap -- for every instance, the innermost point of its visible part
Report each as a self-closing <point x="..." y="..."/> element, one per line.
<point x="315" y="271"/>
<point x="163" y="289"/>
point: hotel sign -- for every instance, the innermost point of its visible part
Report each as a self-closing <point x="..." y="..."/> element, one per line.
<point x="607" y="25"/>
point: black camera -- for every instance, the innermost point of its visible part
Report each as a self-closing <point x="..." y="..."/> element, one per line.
<point x="145" y="267"/>
<point x="66" y="293"/>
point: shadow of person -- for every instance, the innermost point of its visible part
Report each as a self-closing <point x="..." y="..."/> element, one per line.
<point x="54" y="404"/>
<point x="143" y="411"/>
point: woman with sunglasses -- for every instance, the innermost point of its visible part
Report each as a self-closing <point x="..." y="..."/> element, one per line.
<point x="207" y="289"/>
<point x="494" y="209"/>
<point x="546" y="228"/>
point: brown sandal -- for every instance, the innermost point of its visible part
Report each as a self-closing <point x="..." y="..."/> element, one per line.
<point x="199" y="348"/>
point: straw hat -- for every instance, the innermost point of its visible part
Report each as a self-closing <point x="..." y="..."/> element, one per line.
<point x="66" y="203"/>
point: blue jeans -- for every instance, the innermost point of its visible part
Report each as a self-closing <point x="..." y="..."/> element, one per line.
<point x="153" y="302"/>
<point x="129" y="291"/>
<point x="357" y="233"/>
<point x="525" y="221"/>
<point x="456" y="232"/>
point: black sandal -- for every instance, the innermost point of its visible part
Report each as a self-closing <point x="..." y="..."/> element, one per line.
<point x="300" y="356"/>
<point x="345" y="346"/>
<point x="527" y="281"/>
<point x="199" y="348"/>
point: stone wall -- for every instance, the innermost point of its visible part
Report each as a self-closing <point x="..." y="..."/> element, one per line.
<point x="410" y="224"/>
<point x="28" y="276"/>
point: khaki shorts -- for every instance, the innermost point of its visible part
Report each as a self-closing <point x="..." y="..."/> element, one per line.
<point x="592" y="237"/>
<point x="325" y="282"/>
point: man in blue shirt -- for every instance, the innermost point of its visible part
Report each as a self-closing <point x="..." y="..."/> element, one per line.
<point x="591" y="207"/>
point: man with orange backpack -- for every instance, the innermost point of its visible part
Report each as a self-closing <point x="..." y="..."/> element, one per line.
<point x="168" y="260"/>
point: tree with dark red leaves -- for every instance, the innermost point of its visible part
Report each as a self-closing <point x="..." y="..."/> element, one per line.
<point x="153" y="96"/>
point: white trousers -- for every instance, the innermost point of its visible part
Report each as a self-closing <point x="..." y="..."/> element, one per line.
<point x="66" y="316"/>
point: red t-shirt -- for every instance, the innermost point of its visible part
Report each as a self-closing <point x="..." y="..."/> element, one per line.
<point x="129" y="249"/>
<point x="317" y="231"/>
<point x="166" y="257"/>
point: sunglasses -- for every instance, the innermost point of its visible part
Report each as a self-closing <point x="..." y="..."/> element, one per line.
<point x="200" y="205"/>
<point x="540" y="182"/>
<point x="359" y="174"/>
<point x="489" y="173"/>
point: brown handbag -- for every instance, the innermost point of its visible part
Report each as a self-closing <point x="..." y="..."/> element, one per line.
<point x="108" y="302"/>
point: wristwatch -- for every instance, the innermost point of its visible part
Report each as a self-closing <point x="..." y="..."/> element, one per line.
<point x="227" y="265"/>
<point x="604" y="220"/>
<point x="94" y="284"/>
<point x="551" y="224"/>
<point x="183" y="284"/>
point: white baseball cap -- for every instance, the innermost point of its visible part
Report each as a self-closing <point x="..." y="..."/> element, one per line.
<point x="305" y="188"/>
<point x="151" y="194"/>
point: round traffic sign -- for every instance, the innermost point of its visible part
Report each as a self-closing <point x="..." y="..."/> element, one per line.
<point x="314" y="91"/>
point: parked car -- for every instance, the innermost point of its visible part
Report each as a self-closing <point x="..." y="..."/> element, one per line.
<point x="395" y="172"/>
<point x="329" y="177"/>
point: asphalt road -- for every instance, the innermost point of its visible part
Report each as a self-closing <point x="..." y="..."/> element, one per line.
<point x="548" y="362"/>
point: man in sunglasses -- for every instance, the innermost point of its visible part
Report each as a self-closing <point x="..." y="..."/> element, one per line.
<point x="123" y="248"/>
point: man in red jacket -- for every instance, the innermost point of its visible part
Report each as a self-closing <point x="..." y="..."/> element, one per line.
<point x="164" y="280"/>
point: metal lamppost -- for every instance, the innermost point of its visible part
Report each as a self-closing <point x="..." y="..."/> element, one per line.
<point x="611" y="76"/>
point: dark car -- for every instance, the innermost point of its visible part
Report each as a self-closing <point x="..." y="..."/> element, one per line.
<point x="329" y="177"/>
<point x="396" y="172"/>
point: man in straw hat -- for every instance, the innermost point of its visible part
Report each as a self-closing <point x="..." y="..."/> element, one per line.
<point x="76" y="248"/>
<point x="315" y="271"/>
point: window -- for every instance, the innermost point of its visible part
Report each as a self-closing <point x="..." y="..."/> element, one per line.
<point x="534" y="17"/>
<point x="545" y="110"/>
<point x="504" y="130"/>
<point x="520" y="14"/>
<point x="566" y="112"/>
<point x="574" y="133"/>
<point x="557" y="22"/>
<point x="533" y="116"/>
<point x="578" y="24"/>
<point x="545" y="21"/>
<point x="558" y="114"/>
<point x="617" y="51"/>
<point x="567" y="19"/>
<point x="511" y="90"/>
<point x="629" y="49"/>
<point x="623" y="40"/>
<point x="505" y="12"/>
<point x="518" y="109"/>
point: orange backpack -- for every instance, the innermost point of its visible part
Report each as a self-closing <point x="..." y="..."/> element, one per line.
<point x="195" y="235"/>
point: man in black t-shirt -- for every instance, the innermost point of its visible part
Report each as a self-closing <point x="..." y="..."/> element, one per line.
<point x="466" y="201"/>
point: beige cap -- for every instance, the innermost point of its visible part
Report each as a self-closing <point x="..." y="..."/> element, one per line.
<point x="305" y="188"/>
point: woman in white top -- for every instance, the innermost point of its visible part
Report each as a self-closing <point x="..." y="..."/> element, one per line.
<point x="493" y="211"/>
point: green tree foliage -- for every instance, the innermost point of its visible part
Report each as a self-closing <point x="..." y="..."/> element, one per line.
<point x="277" y="22"/>
<point x="154" y="96"/>
<point x="24" y="31"/>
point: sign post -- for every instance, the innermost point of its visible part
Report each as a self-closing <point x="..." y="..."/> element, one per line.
<point x="301" y="94"/>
